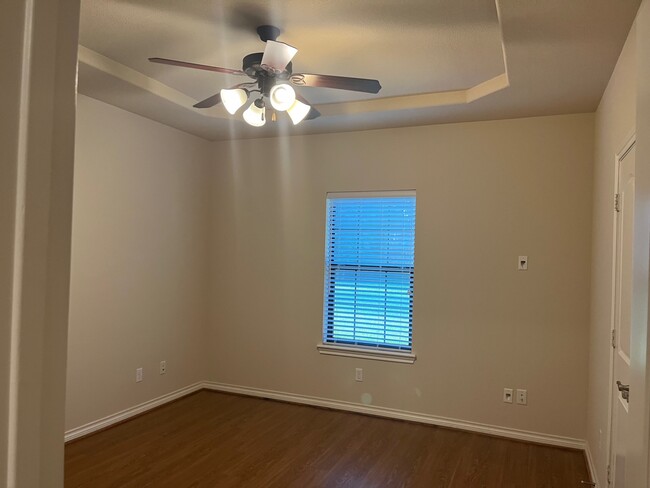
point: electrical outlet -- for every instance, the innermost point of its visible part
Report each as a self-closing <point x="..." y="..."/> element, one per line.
<point x="358" y="374"/>
<point x="522" y="397"/>
<point x="138" y="375"/>
<point x="163" y="367"/>
<point x="522" y="263"/>
<point x="507" y="395"/>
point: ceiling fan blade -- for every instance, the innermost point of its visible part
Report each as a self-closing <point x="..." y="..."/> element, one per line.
<point x="204" y="67"/>
<point x="277" y="55"/>
<point x="209" y="102"/>
<point x="338" y="82"/>
<point x="313" y="113"/>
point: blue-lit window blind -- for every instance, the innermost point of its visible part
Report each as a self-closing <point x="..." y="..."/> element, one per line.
<point x="369" y="270"/>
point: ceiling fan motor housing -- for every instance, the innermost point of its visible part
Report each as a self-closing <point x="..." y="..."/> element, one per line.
<point x="268" y="32"/>
<point x="252" y="66"/>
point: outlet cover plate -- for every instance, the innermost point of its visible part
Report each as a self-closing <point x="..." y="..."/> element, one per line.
<point x="507" y="395"/>
<point x="522" y="397"/>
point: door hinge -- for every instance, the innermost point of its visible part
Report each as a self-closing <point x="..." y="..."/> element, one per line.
<point x="617" y="202"/>
<point x="614" y="338"/>
<point x="609" y="474"/>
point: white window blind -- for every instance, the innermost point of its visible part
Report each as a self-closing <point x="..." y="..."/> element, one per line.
<point x="369" y="270"/>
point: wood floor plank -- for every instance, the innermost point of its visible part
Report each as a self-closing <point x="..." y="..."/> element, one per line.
<point x="212" y="439"/>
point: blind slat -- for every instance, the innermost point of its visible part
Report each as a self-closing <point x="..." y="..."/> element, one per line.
<point x="369" y="271"/>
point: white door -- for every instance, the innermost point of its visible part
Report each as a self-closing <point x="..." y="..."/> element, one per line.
<point x="622" y="316"/>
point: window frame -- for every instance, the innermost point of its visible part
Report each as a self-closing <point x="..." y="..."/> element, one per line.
<point x="376" y="352"/>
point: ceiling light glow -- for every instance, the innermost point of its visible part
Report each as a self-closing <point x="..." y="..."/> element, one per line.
<point x="255" y="115"/>
<point x="233" y="99"/>
<point x="298" y="111"/>
<point x="282" y="97"/>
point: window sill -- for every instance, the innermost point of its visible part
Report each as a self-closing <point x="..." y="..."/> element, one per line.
<point x="366" y="353"/>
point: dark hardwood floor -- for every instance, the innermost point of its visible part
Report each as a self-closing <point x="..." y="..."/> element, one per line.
<point x="219" y="440"/>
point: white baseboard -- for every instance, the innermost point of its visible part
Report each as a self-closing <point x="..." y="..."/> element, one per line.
<point x="591" y="465"/>
<point x="96" y="425"/>
<point x="392" y="413"/>
<point x="385" y="412"/>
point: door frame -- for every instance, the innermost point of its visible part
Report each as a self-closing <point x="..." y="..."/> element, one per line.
<point x="613" y="393"/>
<point x="37" y="140"/>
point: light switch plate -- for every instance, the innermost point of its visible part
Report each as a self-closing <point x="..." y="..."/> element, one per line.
<point x="522" y="263"/>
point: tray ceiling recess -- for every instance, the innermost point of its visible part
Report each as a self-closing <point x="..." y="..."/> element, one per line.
<point x="437" y="61"/>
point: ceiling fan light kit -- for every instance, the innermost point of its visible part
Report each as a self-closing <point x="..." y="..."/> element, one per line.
<point x="298" y="111"/>
<point x="272" y="72"/>
<point x="233" y="99"/>
<point x="282" y="97"/>
<point x="255" y="115"/>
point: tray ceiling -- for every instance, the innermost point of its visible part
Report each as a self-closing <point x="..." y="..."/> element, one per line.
<point x="527" y="57"/>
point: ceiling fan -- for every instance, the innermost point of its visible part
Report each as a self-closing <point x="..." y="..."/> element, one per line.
<point x="273" y="76"/>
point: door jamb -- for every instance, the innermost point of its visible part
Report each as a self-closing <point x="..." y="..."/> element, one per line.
<point x="625" y="148"/>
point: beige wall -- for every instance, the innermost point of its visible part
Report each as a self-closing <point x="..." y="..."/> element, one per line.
<point x="487" y="192"/>
<point x="615" y="123"/>
<point x="139" y="254"/>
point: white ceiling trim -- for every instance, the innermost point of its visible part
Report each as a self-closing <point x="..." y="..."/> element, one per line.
<point x="404" y="102"/>
<point x="137" y="79"/>
<point x="386" y="104"/>
<point x="424" y="100"/>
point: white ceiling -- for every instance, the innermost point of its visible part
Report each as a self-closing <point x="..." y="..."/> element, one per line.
<point x="560" y="55"/>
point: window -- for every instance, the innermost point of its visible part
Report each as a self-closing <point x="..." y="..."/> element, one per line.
<point x="369" y="258"/>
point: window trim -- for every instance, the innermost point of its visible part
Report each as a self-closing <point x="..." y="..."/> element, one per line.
<point x="370" y="194"/>
<point x="370" y="351"/>
<point x="361" y="352"/>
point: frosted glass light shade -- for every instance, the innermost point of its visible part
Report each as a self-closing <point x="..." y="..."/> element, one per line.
<point x="277" y="55"/>
<point x="298" y="111"/>
<point x="233" y="99"/>
<point x="255" y="115"/>
<point x="282" y="97"/>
